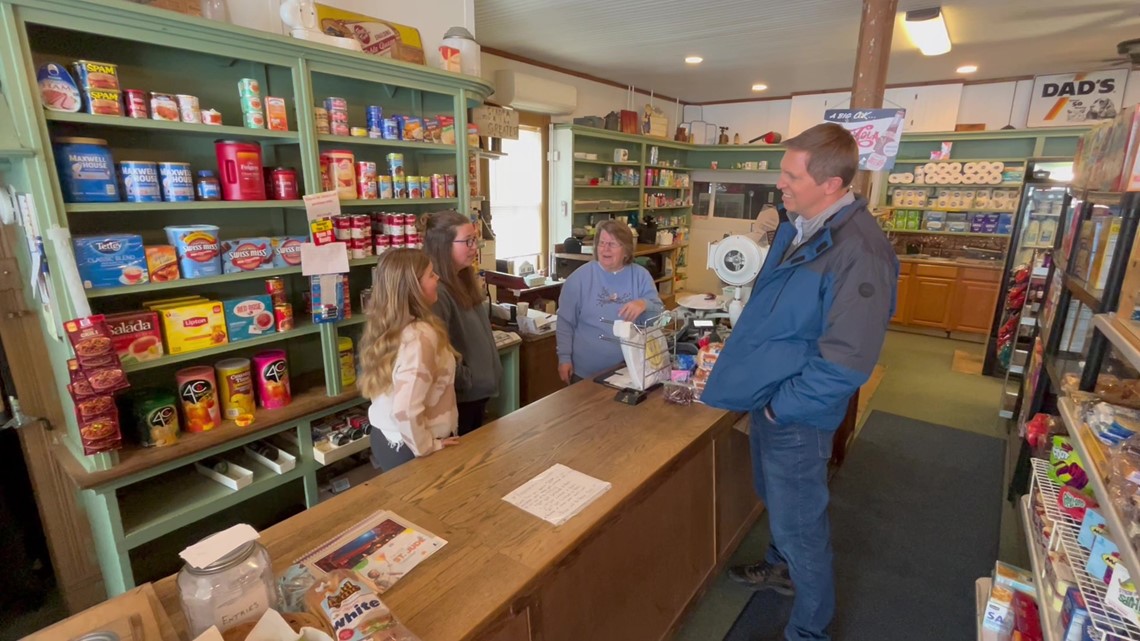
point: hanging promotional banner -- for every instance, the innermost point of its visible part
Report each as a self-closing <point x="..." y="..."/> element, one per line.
<point x="877" y="132"/>
<point x="1066" y="99"/>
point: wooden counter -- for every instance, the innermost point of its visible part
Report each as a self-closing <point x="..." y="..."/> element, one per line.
<point x="948" y="295"/>
<point x="626" y="568"/>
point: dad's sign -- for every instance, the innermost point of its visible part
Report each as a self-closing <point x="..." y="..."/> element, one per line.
<point x="1068" y="99"/>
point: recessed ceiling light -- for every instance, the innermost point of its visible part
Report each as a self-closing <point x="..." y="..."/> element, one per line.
<point x="967" y="68"/>
<point x="759" y="87"/>
<point x="927" y="30"/>
<point x="694" y="60"/>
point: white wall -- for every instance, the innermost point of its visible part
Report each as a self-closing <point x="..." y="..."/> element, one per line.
<point x="594" y="98"/>
<point x="432" y="17"/>
<point x="936" y="108"/>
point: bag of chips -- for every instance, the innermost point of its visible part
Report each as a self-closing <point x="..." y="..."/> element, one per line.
<point x="354" y="610"/>
<point x="1065" y="466"/>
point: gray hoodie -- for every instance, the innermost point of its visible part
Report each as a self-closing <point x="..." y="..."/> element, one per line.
<point x="477" y="374"/>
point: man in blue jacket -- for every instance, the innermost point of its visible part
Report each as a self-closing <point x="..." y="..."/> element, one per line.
<point x="807" y="339"/>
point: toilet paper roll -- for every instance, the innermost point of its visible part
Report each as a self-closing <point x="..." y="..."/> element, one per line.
<point x="930" y="168"/>
<point x="993" y="178"/>
<point x="954" y="168"/>
<point x="956" y="179"/>
<point x="970" y="168"/>
<point x="982" y="167"/>
<point x="623" y="329"/>
<point x="997" y="166"/>
<point x="971" y="177"/>
<point x="907" y="178"/>
<point x="894" y="179"/>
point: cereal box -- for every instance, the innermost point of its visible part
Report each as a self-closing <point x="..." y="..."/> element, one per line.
<point x="136" y="336"/>
<point x="110" y="261"/>
<point x="246" y="254"/>
<point x="162" y="263"/>
<point x="287" y="250"/>
<point x="249" y="317"/>
<point x="194" y="326"/>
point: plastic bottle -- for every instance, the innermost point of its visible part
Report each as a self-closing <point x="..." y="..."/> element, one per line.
<point x="215" y="10"/>
<point x="469" y="50"/>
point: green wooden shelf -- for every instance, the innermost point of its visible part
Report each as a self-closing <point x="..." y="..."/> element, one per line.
<point x="425" y="147"/>
<point x="924" y="185"/>
<point x="667" y="208"/>
<point x="16" y="152"/>
<point x="967" y="210"/>
<point x="197" y="205"/>
<point x="357" y="319"/>
<point x="398" y="202"/>
<point x="607" y="186"/>
<point x="164" y="126"/>
<point x="648" y="187"/>
<point x="303" y="327"/>
<point x="733" y="171"/>
<point x="186" y="496"/>
<point x="186" y="283"/>
<point x="923" y="161"/>
<point x="945" y="233"/>
<point x="606" y="211"/>
<point x="632" y="165"/>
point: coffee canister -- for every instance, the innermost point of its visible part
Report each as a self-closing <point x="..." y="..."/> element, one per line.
<point x="235" y="386"/>
<point x="271" y="372"/>
<point x="240" y="170"/>
<point x="198" y="393"/>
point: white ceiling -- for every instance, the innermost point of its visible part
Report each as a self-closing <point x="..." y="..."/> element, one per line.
<point x="795" y="45"/>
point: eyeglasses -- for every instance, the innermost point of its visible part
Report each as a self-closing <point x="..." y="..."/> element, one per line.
<point x="470" y="242"/>
<point x="605" y="244"/>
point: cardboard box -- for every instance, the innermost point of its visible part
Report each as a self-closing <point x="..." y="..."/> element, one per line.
<point x="136" y="336"/>
<point x="194" y="326"/>
<point x="249" y="317"/>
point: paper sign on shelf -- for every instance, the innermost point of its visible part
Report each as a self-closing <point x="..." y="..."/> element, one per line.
<point x="324" y="259"/>
<point x="60" y="238"/>
<point x="323" y="205"/>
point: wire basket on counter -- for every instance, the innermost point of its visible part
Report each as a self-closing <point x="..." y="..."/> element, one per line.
<point x="648" y="348"/>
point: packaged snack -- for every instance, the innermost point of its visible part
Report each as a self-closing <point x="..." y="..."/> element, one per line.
<point x="96" y="75"/>
<point x="287" y="250"/>
<point x="100" y="433"/>
<point x="79" y="387"/>
<point x="193" y="326"/>
<point x="246" y="255"/>
<point x="197" y="390"/>
<point x="249" y="317"/>
<point x="1104" y="557"/>
<point x="353" y="609"/>
<point x="413" y="129"/>
<point x="136" y="336"/>
<point x="1072" y="502"/>
<point x="162" y="263"/>
<point x="1122" y="597"/>
<point x="199" y="252"/>
<point x="235" y="386"/>
<point x="95" y="354"/>
<point x="58" y="90"/>
<point x="432" y="130"/>
<point x="1092" y="525"/>
<point x="447" y="130"/>
<point x="111" y="261"/>
<point x="1065" y="467"/>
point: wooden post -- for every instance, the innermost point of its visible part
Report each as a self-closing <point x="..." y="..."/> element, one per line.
<point x="867" y="89"/>
<point x="873" y="54"/>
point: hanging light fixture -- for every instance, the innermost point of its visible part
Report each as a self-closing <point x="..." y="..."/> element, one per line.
<point x="927" y="30"/>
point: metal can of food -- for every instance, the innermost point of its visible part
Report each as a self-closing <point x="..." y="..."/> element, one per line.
<point x="275" y="287"/>
<point x="235" y="387"/>
<point x="366" y="188"/>
<point x="410" y="225"/>
<point x="438" y="186"/>
<point x="384" y="186"/>
<point x="358" y="132"/>
<point x="359" y="248"/>
<point x="336" y="105"/>
<point x="139" y="180"/>
<point x="321" y="115"/>
<point x="135" y="102"/>
<point x="452" y="190"/>
<point x="347" y="361"/>
<point x="414" y="187"/>
<point x="397" y="242"/>
<point x="283" y="315"/>
<point x="164" y="106"/>
<point x="250" y="104"/>
<point x="188" y="108"/>
<point x="177" y="181"/>
<point x="412" y="241"/>
<point x="381" y="243"/>
<point x="361" y="226"/>
<point x="254" y="119"/>
<point x="341" y="172"/>
<point x="391" y="130"/>
<point x="285" y="184"/>
<point x="249" y="87"/>
<point x="342" y="227"/>
<point x="211" y="117"/>
<point x="374" y="115"/>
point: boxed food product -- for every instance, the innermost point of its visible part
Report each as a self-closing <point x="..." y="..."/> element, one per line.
<point x="997" y="619"/>
<point x="246" y="254"/>
<point x="110" y="261"/>
<point x="136" y="336"/>
<point x="249" y="317"/>
<point x="276" y="118"/>
<point x="162" y="263"/>
<point x="287" y="250"/>
<point x="1104" y="557"/>
<point x="199" y="252"/>
<point x="194" y="326"/>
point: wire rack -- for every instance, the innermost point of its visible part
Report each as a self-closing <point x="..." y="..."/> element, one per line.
<point x="1066" y="529"/>
<point x="657" y="339"/>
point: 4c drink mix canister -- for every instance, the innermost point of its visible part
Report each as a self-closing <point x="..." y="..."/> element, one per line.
<point x="198" y="393"/>
<point x="272" y="375"/>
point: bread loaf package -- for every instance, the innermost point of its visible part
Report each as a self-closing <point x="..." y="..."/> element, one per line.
<point x="353" y="609"/>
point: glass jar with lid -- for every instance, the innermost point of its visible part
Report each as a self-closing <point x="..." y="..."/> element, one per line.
<point x="236" y="588"/>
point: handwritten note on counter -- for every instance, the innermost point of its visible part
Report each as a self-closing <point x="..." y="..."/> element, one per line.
<point x="557" y="494"/>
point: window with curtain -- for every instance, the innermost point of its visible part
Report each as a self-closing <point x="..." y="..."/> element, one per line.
<point x="516" y="196"/>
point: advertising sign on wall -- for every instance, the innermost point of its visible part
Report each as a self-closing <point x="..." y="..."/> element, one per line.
<point x="877" y="131"/>
<point x="1066" y="99"/>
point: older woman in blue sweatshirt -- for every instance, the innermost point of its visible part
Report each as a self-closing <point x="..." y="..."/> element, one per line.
<point x="609" y="288"/>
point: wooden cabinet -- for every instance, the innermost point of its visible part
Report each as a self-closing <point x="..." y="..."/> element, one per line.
<point x="975" y="296"/>
<point x="948" y="297"/>
<point x="930" y="301"/>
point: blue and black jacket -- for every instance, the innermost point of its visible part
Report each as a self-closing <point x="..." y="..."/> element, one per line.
<point x="812" y="330"/>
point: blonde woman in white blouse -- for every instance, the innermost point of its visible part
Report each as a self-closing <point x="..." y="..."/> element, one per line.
<point x="407" y="363"/>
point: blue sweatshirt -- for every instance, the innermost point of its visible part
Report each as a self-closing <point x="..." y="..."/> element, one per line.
<point x="590" y="295"/>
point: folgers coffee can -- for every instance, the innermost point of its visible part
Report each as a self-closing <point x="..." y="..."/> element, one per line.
<point x="156" y="418"/>
<point x="284" y="183"/>
<point x="198" y="394"/>
<point x="239" y="170"/>
<point x="271" y="373"/>
<point x="235" y="386"/>
<point x="283" y="315"/>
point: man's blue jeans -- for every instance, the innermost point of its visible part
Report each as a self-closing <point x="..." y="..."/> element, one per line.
<point x="789" y="467"/>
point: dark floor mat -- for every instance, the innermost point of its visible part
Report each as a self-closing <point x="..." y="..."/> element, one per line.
<point x="915" y="519"/>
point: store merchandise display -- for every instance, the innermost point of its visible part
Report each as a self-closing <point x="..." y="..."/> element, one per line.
<point x="952" y="222"/>
<point x="359" y="180"/>
<point x="980" y="172"/>
<point x="332" y="119"/>
<point x="1024" y="293"/>
<point x="1011" y="607"/>
<point x="1108" y="157"/>
<point x="966" y="198"/>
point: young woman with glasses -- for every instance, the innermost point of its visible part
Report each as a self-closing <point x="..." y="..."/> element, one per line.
<point x="453" y="245"/>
